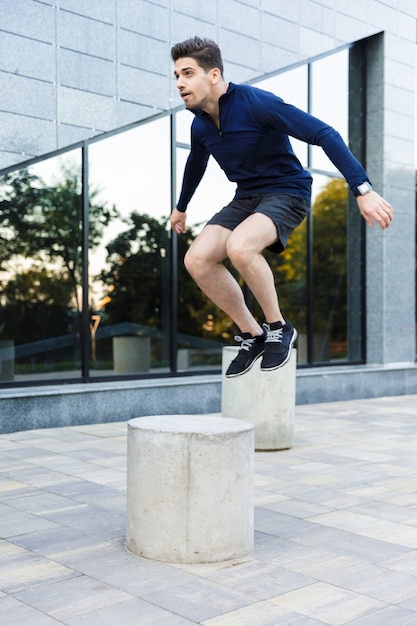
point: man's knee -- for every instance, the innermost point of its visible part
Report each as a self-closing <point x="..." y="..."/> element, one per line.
<point x="195" y="262"/>
<point x="237" y="252"/>
<point x="207" y="251"/>
<point x="189" y="261"/>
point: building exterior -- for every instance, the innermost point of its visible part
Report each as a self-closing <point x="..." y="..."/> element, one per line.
<point x="93" y="142"/>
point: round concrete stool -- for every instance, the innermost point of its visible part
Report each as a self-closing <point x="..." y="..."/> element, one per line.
<point x="265" y="399"/>
<point x="190" y="488"/>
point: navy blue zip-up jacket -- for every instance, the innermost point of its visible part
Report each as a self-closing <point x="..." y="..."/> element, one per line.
<point x="253" y="148"/>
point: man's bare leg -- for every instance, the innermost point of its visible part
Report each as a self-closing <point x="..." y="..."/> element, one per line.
<point x="244" y="248"/>
<point x="204" y="262"/>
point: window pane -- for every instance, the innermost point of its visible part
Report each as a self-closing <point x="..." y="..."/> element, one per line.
<point x="183" y="121"/>
<point x="129" y="260"/>
<point x="329" y="101"/>
<point x="329" y="269"/>
<point x="40" y="270"/>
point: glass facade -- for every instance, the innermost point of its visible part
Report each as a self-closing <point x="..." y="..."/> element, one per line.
<point x="93" y="283"/>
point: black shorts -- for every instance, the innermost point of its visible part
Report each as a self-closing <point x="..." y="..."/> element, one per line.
<point x="286" y="210"/>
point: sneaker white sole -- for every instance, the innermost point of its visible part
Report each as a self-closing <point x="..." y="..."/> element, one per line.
<point x="247" y="369"/>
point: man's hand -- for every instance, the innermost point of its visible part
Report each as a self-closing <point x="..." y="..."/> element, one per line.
<point x="177" y="220"/>
<point x="374" y="208"/>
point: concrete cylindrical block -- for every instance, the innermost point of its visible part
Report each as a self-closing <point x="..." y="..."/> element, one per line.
<point x="190" y="488"/>
<point x="266" y="399"/>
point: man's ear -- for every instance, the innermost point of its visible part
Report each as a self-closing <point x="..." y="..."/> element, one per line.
<point x="216" y="75"/>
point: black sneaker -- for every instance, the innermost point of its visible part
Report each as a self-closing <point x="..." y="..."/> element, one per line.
<point x="278" y="343"/>
<point x="250" y="350"/>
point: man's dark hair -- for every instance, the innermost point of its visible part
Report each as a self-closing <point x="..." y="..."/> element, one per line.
<point x="205" y="51"/>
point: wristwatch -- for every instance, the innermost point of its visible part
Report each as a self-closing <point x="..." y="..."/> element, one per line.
<point x="362" y="189"/>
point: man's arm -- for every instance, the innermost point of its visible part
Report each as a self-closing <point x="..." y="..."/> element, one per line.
<point x="193" y="173"/>
<point x="310" y="129"/>
<point x="372" y="206"/>
<point x="192" y="177"/>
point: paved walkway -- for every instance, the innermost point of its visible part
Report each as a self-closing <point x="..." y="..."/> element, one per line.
<point x="335" y="542"/>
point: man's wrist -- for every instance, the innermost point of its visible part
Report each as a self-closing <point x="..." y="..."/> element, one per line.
<point x="362" y="189"/>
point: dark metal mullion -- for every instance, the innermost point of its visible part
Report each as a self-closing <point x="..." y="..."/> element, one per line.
<point x="364" y="105"/>
<point x="310" y="224"/>
<point x="85" y="314"/>
<point x="173" y="343"/>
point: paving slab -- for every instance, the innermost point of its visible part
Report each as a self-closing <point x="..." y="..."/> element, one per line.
<point x="335" y="530"/>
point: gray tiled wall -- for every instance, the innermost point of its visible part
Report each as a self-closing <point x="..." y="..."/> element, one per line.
<point x="99" y="64"/>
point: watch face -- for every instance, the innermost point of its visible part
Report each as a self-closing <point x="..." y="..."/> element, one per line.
<point x="364" y="188"/>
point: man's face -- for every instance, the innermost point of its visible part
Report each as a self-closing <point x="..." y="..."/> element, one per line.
<point x="194" y="84"/>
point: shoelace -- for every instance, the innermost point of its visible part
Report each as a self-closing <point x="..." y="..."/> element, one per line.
<point x="246" y="344"/>
<point x="275" y="335"/>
